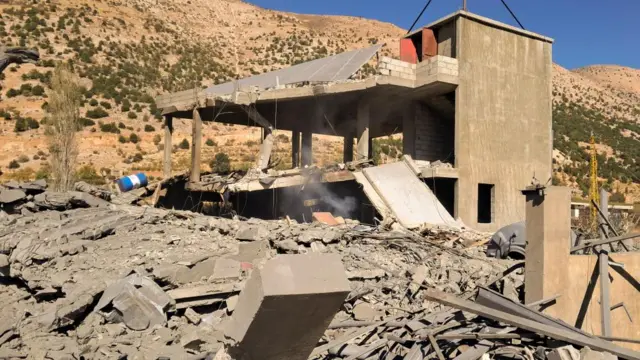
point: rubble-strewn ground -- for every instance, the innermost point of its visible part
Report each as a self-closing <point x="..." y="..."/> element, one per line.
<point x="55" y="266"/>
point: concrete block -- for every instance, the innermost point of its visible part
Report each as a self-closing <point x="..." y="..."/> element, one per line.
<point x="286" y="306"/>
<point x="384" y="71"/>
<point x="587" y="354"/>
<point x="564" y="353"/>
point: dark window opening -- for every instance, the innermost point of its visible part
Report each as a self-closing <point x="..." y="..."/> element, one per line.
<point x="485" y="203"/>
<point x="444" y="189"/>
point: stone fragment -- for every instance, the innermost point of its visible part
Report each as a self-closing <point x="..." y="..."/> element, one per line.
<point x="287" y="245"/>
<point x="587" y="353"/>
<point x="318" y="247"/>
<point x="250" y="252"/>
<point x="311" y="235"/>
<point x="231" y="302"/>
<point x="226" y="269"/>
<point x="286" y="306"/>
<point x="192" y="316"/>
<point x="252" y="232"/>
<point x="8" y="196"/>
<point x="564" y="353"/>
<point x="4" y="265"/>
<point x="365" y="312"/>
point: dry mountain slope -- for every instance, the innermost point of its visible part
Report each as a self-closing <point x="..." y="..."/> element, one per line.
<point x="126" y="52"/>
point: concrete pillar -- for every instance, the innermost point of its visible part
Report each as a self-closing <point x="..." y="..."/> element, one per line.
<point x="286" y="306"/>
<point x="347" y="149"/>
<point x="363" y="150"/>
<point x="196" y="146"/>
<point x="265" y="148"/>
<point x="295" y="149"/>
<point x="168" y="131"/>
<point x="548" y="229"/>
<point x="307" y="148"/>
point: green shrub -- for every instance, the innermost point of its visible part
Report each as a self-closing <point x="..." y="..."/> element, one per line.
<point x="88" y="174"/>
<point x="210" y="142"/>
<point x="37" y="90"/>
<point x="220" y="163"/>
<point x="84" y="122"/>
<point x="132" y="115"/>
<point x="105" y="104"/>
<point x="184" y="144"/>
<point x="121" y="125"/>
<point x="134" y="138"/>
<point x="14" y="164"/>
<point x="149" y="128"/>
<point x="23" y="158"/>
<point x="109" y="128"/>
<point x="97" y="113"/>
<point x="93" y="102"/>
<point x="123" y="139"/>
<point x="137" y="157"/>
<point x="12" y="93"/>
<point x="157" y="139"/>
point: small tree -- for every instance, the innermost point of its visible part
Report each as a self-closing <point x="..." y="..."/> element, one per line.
<point x="64" y="112"/>
<point x="220" y="163"/>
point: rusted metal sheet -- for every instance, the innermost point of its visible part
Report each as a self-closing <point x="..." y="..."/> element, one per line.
<point x="429" y="44"/>
<point x="408" y="51"/>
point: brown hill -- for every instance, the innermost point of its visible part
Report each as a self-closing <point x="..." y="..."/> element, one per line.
<point x="126" y="52"/>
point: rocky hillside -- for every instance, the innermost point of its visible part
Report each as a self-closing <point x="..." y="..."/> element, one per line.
<point x="126" y="52"/>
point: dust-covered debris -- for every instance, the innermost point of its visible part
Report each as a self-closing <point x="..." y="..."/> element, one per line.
<point x="121" y="280"/>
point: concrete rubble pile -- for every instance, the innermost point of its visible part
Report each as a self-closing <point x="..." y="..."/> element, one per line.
<point x="121" y="281"/>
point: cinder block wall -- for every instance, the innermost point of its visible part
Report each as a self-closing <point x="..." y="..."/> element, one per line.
<point x="434" y="135"/>
<point x="503" y="118"/>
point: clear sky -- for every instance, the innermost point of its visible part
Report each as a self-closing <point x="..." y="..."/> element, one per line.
<point x="586" y="32"/>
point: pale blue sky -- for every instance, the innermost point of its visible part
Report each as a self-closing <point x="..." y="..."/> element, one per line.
<point x="586" y="32"/>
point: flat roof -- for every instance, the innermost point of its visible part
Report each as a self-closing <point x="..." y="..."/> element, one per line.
<point x="485" y="21"/>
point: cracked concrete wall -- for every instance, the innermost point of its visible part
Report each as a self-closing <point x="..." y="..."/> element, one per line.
<point x="503" y="118"/>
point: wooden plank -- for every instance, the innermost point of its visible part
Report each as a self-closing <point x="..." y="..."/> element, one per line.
<point x="433" y="342"/>
<point x="198" y="291"/>
<point x="168" y="131"/>
<point x="196" y="146"/>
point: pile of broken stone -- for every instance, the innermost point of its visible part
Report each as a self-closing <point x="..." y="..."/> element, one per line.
<point x="91" y="279"/>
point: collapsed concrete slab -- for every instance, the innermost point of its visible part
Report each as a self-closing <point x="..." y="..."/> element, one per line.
<point x="286" y="306"/>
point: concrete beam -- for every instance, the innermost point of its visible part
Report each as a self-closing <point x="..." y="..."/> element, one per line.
<point x="168" y="131"/>
<point x="363" y="150"/>
<point x="307" y="148"/>
<point x="286" y="306"/>
<point x="548" y="228"/>
<point x="196" y="146"/>
<point x="295" y="149"/>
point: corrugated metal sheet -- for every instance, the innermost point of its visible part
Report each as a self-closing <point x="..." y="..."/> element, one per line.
<point x="333" y="68"/>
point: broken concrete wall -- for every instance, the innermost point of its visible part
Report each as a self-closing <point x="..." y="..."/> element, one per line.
<point x="286" y="306"/>
<point x="551" y="270"/>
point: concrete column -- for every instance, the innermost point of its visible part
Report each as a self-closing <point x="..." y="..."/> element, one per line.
<point x="307" y="148"/>
<point x="265" y="148"/>
<point x="196" y="146"/>
<point x="363" y="150"/>
<point x="548" y="229"/>
<point x="295" y="149"/>
<point x="168" y="131"/>
<point x="347" y="150"/>
<point x="286" y="306"/>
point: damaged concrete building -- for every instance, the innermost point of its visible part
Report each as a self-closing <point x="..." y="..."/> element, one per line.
<point x="467" y="91"/>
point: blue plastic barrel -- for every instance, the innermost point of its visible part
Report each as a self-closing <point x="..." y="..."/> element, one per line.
<point x="128" y="183"/>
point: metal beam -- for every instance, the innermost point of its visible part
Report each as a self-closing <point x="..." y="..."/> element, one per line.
<point x="605" y="299"/>
<point x="594" y="242"/>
